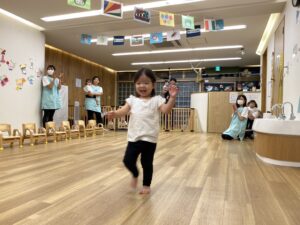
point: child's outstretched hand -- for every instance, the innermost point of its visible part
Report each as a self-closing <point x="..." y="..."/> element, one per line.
<point x="173" y="90"/>
<point x="111" y="115"/>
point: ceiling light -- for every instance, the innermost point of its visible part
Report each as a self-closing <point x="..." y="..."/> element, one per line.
<point x="15" y="17"/>
<point x="271" y="25"/>
<point x="127" y="8"/>
<point x="185" y="61"/>
<point x="179" y="50"/>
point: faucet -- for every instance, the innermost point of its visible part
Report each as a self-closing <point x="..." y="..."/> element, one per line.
<point x="292" y="116"/>
<point x="280" y="114"/>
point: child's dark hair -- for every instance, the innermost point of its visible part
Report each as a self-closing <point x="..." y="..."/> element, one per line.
<point x="148" y="73"/>
<point x="173" y="79"/>
<point x="245" y="100"/>
<point x="88" y="80"/>
<point x="252" y="101"/>
<point x="51" y="67"/>
<point x="94" y="78"/>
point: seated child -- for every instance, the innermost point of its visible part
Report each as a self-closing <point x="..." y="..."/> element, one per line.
<point x="253" y="113"/>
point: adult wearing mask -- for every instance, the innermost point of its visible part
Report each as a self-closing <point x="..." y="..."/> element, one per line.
<point x="166" y="95"/>
<point x="51" y="98"/>
<point x="238" y="123"/>
<point x="92" y="106"/>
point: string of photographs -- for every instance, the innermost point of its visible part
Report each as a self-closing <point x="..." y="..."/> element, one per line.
<point x="115" y="9"/>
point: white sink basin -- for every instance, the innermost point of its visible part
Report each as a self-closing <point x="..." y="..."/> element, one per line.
<point x="275" y="126"/>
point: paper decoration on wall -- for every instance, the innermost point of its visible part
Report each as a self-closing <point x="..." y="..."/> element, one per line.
<point x="3" y="51"/>
<point x="11" y="65"/>
<point x="86" y="39"/>
<point x="142" y="15"/>
<point x="86" y="4"/>
<point x="173" y="35"/>
<point x="156" y="38"/>
<point x="209" y="24"/>
<point x="219" y="24"/>
<point x="30" y="79"/>
<point x="166" y="19"/>
<point x="194" y="32"/>
<point x="188" y="22"/>
<point x="102" y="40"/>
<point x="23" y="68"/>
<point x="19" y="83"/>
<point x="112" y="8"/>
<point x="137" y="40"/>
<point x="4" y="80"/>
<point x="31" y="63"/>
<point x="119" y="40"/>
<point x="38" y="72"/>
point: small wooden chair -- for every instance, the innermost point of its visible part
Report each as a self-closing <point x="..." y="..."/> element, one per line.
<point x="85" y="129"/>
<point x="10" y="137"/>
<point x="31" y="132"/>
<point x="98" y="128"/>
<point x="74" y="130"/>
<point x="52" y="131"/>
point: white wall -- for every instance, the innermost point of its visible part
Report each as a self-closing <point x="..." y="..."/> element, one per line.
<point x="199" y="101"/>
<point x="23" y="45"/>
<point x="291" y="83"/>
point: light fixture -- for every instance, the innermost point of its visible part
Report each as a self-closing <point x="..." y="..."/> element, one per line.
<point x="272" y="22"/>
<point x="185" y="61"/>
<point x="127" y="8"/>
<point x="178" y="50"/>
<point x="183" y="32"/>
<point x="20" y="19"/>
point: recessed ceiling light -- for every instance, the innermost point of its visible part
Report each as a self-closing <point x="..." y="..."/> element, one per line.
<point x="185" y="61"/>
<point x="179" y="50"/>
<point x="20" y="19"/>
<point x="127" y="8"/>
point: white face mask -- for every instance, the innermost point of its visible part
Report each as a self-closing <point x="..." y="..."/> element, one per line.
<point x="50" y="72"/>
<point x="240" y="102"/>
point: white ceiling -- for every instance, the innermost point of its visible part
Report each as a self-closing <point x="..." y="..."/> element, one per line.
<point x="66" y="34"/>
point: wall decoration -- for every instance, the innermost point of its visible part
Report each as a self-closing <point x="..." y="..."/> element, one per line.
<point x="188" y="22"/>
<point x="112" y="8"/>
<point x="166" y="19"/>
<point x="86" y="39"/>
<point x="19" y="83"/>
<point x="102" y="40"/>
<point x="119" y="40"/>
<point x="78" y="83"/>
<point x="194" y="32"/>
<point x="31" y="63"/>
<point x="156" y="38"/>
<point x="173" y="35"/>
<point x="31" y="79"/>
<point x="11" y="65"/>
<point x="38" y="72"/>
<point x="23" y="68"/>
<point x="232" y="97"/>
<point x="86" y="4"/>
<point x="219" y="24"/>
<point x="298" y="17"/>
<point x="137" y="40"/>
<point x="209" y="24"/>
<point x="4" y="80"/>
<point x="142" y="15"/>
<point x="3" y="51"/>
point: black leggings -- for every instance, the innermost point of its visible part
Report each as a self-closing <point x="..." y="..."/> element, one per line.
<point x="91" y="116"/>
<point x="226" y="137"/>
<point x="48" y="116"/>
<point x="147" y="150"/>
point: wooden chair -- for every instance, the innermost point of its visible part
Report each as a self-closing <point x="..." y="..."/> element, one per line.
<point x="98" y="128"/>
<point x="52" y="131"/>
<point x="7" y="136"/>
<point x="85" y="129"/>
<point x="74" y="130"/>
<point x="31" y="132"/>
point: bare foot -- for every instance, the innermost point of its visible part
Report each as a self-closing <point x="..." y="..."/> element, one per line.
<point x="134" y="183"/>
<point x="145" y="190"/>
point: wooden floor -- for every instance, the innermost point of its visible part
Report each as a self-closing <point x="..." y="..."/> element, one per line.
<point x="198" y="179"/>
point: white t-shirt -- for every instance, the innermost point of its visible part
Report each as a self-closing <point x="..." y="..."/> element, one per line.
<point x="245" y="112"/>
<point x="88" y="88"/>
<point x="253" y="111"/>
<point x="144" y="118"/>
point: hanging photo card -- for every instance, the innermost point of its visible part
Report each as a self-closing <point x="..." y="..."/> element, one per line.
<point x="119" y="40"/>
<point x="209" y="24"/>
<point x="112" y="8"/>
<point x="220" y="24"/>
<point x="86" y="4"/>
<point x="86" y="39"/>
<point x="156" y="38"/>
<point x="102" y="40"/>
<point x="173" y="35"/>
<point x="3" y="80"/>
<point x="166" y="19"/>
<point x="137" y="40"/>
<point x="193" y="32"/>
<point x="142" y="15"/>
<point x="188" y="22"/>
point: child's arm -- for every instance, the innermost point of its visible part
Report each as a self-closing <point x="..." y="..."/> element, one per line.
<point x="119" y="113"/>
<point x="166" y="108"/>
